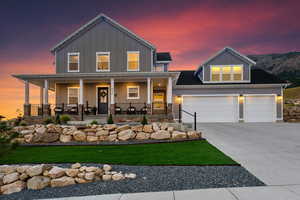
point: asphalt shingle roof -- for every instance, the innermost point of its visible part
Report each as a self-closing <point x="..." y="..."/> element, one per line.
<point x="163" y="56"/>
<point x="258" y="76"/>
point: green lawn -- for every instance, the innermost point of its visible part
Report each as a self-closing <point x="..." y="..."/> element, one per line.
<point x="180" y="153"/>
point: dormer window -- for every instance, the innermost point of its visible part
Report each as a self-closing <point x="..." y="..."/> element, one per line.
<point x="73" y="62"/>
<point x="226" y="73"/>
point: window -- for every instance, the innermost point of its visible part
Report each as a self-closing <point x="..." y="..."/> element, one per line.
<point x="226" y="73"/>
<point x="102" y="61"/>
<point x="73" y="95"/>
<point x="215" y="73"/>
<point x="159" y="68"/>
<point x="133" y="59"/>
<point x="73" y="62"/>
<point x="133" y="92"/>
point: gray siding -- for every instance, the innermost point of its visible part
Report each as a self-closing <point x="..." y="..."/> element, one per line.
<point x="227" y="58"/>
<point x="103" y="37"/>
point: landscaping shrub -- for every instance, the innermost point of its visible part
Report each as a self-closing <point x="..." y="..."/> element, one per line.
<point x="94" y="122"/>
<point x="65" y="118"/>
<point x="49" y="120"/>
<point x="110" y="119"/>
<point x="23" y="123"/>
<point x="57" y="119"/>
<point x="144" y="120"/>
<point x="6" y="139"/>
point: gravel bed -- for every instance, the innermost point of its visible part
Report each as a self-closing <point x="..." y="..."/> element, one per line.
<point x="106" y="143"/>
<point x="151" y="179"/>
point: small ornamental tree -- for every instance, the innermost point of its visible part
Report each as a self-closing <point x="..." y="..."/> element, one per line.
<point x="94" y="122"/>
<point x="144" y="120"/>
<point x="110" y="119"/>
<point x="6" y="139"/>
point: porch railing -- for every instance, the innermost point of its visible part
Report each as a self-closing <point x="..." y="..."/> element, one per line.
<point x="194" y="115"/>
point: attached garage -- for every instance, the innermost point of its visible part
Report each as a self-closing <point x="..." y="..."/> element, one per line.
<point x="211" y="108"/>
<point x="260" y="108"/>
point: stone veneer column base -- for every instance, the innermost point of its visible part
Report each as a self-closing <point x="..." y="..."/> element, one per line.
<point x="112" y="109"/>
<point x="169" y="111"/>
<point x="149" y="109"/>
<point x="46" y="109"/>
<point x="80" y="110"/>
<point x="27" y="110"/>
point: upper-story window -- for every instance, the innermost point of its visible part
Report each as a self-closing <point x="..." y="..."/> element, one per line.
<point x="102" y="61"/>
<point x="159" y="68"/>
<point x="133" y="60"/>
<point x="226" y="73"/>
<point x="73" y="62"/>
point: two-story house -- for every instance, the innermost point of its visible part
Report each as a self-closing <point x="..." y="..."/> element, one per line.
<point x="105" y="68"/>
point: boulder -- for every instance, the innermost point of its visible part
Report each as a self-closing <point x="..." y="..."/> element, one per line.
<point x="23" y="176"/>
<point x="22" y="169"/>
<point x="102" y="133"/>
<point x="170" y="129"/>
<point x="28" y="138"/>
<point x="1" y="179"/>
<point x="164" y="126"/>
<point x="194" y="134"/>
<point x="107" y="167"/>
<point x="130" y="176"/>
<point x="49" y="137"/>
<point x="106" y="177"/>
<point x="82" y="169"/>
<point x="65" y="138"/>
<point x="13" y="187"/>
<point x="9" y="178"/>
<point x="113" y="132"/>
<point x="34" y="170"/>
<point x="41" y="130"/>
<point x="148" y="128"/>
<point x="137" y="128"/>
<point x="80" y="180"/>
<point x="91" y="169"/>
<point x="103" y="138"/>
<point x="117" y="177"/>
<point x="76" y="166"/>
<point x="90" y="130"/>
<point x="112" y="138"/>
<point x="99" y="172"/>
<point x="38" y="182"/>
<point x="81" y="175"/>
<point x="110" y="127"/>
<point x="72" y="172"/>
<point x="155" y="127"/>
<point x="63" y="181"/>
<point x="161" y="135"/>
<point x="8" y="169"/>
<point x="89" y="176"/>
<point x="123" y="128"/>
<point x="91" y="134"/>
<point x="177" y="135"/>
<point x="142" y="136"/>
<point x="26" y="132"/>
<point x="91" y="138"/>
<point x="126" y="135"/>
<point x="79" y="136"/>
<point x="56" y="172"/>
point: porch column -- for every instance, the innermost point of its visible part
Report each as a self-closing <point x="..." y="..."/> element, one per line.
<point x="112" y="96"/>
<point x="149" y="95"/>
<point x="46" y="106"/>
<point x="80" y="100"/>
<point x="27" y="106"/>
<point x="169" y="97"/>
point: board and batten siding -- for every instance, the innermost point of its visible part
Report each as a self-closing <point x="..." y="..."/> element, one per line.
<point x="227" y="58"/>
<point x="103" y="37"/>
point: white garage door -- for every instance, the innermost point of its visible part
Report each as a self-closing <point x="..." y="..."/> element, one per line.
<point x="260" y="109"/>
<point x="211" y="108"/>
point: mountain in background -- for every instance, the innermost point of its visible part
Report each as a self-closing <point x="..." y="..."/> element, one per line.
<point x="285" y="65"/>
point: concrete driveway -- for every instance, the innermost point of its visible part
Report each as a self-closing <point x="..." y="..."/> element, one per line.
<point x="270" y="151"/>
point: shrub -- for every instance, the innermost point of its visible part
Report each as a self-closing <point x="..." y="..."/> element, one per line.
<point x="110" y="119"/>
<point x="57" y="119"/>
<point x="94" y="122"/>
<point x="23" y="123"/>
<point x="144" y="120"/>
<point x="6" y="139"/>
<point x="17" y="121"/>
<point x="48" y="121"/>
<point x="65" y="118"/>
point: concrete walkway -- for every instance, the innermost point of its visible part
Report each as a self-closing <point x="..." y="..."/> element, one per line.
<point x="291" y="192"/>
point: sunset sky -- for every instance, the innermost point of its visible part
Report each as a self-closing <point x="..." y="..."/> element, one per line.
<point x="191" y="30"/>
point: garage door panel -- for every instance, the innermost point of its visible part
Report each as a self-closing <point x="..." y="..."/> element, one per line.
<point x="211" y="108"/>
<point x="260" y="108"/>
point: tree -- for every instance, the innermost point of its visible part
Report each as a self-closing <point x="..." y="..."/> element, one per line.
<point x="7" y="137"/>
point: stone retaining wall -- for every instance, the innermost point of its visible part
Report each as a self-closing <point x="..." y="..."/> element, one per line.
<point x="99" y="133"/>
<point x="291" y="113"/>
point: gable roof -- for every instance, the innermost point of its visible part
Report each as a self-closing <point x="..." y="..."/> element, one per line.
<point x="95" y="21"/>
<point x="231" y="50"/>
<point x="163" y="56"/>
<point x="258" y="76"/>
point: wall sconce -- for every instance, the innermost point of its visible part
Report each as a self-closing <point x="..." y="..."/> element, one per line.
<point x="178" y="99"/>
<point x="279" y="98"/>
<point x="241" y="98"/>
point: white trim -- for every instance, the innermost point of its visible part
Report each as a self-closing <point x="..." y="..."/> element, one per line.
<point x="133" y="86"/>
<point x="163" y="62"/>
<point x="251" y="95"/>
<point x="73" y="54"/>
<point x="231" y="74"/>
<point x="138" y="69"/>
<point x="152" y="65"/>
<point x="282" y="100"/>
<point x="103" y="53"/>
<point x="179" y="87"/>
<point x="146" y="43"/>
<point x="69" y="93"/>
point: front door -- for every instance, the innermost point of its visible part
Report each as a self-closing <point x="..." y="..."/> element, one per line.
<point x="102" y="100"/>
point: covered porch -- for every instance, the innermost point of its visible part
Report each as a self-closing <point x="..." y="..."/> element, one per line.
<point x="101" y="94"/>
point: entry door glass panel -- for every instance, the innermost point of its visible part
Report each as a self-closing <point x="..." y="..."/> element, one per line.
<point x="158" y="100"/>
<point x="102" y="100"/>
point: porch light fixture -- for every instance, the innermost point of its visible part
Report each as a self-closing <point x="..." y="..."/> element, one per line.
<point x="178" y="99"/>
<point x="241" y="98"/>
<point x="279" y="97"/>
